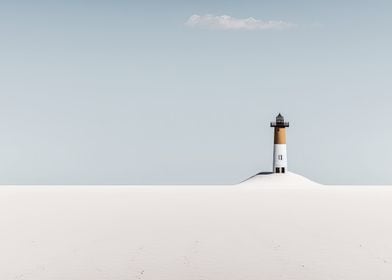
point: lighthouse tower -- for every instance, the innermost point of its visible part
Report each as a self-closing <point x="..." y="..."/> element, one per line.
<point x="280" y="150"/>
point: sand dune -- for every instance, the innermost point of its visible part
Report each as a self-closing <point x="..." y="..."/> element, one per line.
<point x="267" y="227"/>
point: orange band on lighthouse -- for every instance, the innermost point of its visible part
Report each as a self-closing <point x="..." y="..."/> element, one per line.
<point x="280" y="135"/>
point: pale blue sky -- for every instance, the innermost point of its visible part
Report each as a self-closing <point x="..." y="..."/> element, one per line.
<point x="123" y="92"/>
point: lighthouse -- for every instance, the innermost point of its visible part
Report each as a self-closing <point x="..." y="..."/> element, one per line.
<point x="280" y="149"/>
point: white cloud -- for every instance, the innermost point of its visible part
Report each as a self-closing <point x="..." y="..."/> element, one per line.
<point x="225" y="22"/>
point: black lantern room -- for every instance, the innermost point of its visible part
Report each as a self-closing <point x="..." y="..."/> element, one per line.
<point x="279" y="122"/>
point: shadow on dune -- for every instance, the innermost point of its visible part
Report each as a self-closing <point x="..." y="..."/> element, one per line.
<point x="260" y="173"/>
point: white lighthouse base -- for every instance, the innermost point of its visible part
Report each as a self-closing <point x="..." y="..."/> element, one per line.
<point x="280" y="158"/>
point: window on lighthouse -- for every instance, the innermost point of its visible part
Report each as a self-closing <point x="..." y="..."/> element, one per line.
<point x="280" y="157"/>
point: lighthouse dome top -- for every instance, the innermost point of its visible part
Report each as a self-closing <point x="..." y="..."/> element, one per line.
<point x="279" y="122"/>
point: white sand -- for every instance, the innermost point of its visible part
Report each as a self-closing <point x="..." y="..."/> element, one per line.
<point x="269" y="227"/>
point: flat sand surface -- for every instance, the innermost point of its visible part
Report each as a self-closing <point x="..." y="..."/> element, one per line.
<point x="268" y="227"/>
